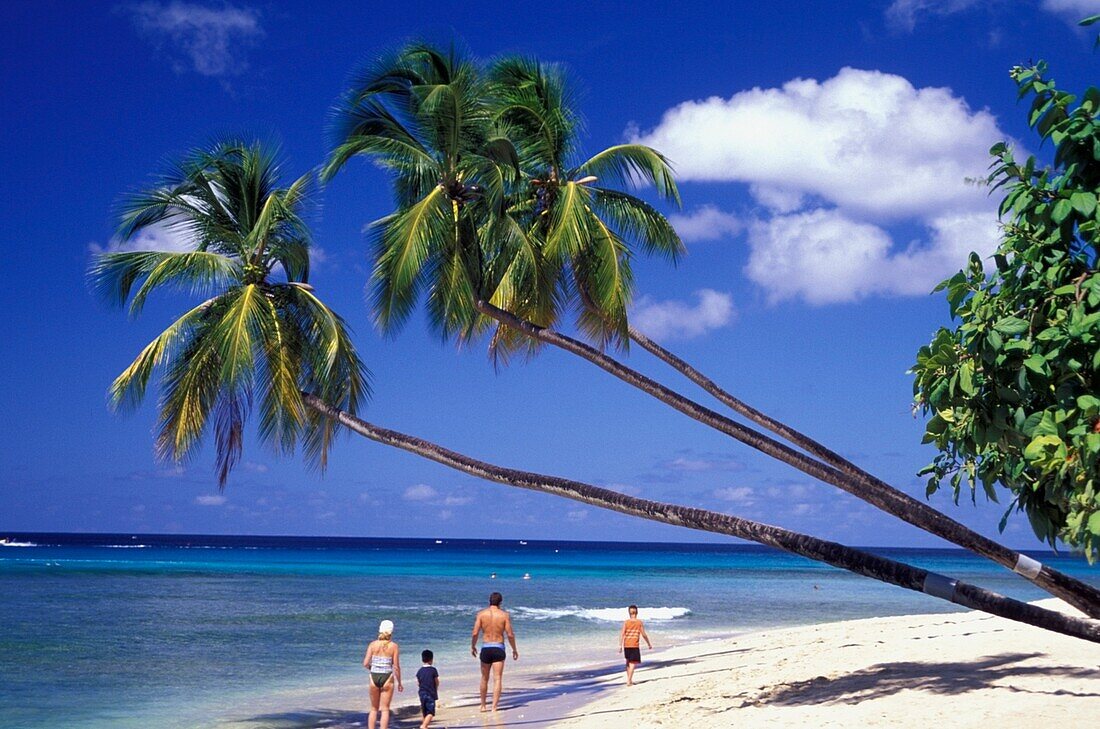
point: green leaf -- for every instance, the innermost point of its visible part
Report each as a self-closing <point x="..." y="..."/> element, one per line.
<point x="1037" y="449"/>
<point x="966" y="378"/>
<point x="1061" y="210"/>
<point x="1084" y="203"/>
<point x="1011" y="325"/>
<point x="1037" y="364"/>
<point x="1094" y="523"/>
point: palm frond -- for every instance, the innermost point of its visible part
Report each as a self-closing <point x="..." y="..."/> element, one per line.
<point x="639" y="222"/>
<point x="630" y="164"/>
<point x="189" y="392"/>
<point x="567" y="231"/>
<point x="605" y="285"/>
<point x="198" y="272"/>
<point x="128" y="389"/>
<point x="403" y="243"/>
<point x="237" y="335"/>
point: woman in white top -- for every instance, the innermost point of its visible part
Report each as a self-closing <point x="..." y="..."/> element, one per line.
<point x="383" y="660"/>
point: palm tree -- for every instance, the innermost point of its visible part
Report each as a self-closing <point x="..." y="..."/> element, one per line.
<point x="264" y="335"/>
<point x="559" y="241"/>
<point x="261" y="338"/>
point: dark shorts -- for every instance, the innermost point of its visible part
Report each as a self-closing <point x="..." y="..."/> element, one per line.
<point x="427" y="705"/>
<point x="492" y="655"/>
<point x="632" y="655"/>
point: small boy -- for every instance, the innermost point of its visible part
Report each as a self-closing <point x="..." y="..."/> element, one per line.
<point x="428" y="679"/>
<point x="630" y="642"/>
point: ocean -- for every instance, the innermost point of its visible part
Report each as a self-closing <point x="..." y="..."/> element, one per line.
<point x="112" y="630"/>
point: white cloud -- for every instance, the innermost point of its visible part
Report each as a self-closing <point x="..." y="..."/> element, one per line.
<point x="421" y="492"/>
<point x="424" y="492"/>
<point x="153" y="238"/>
<point x="866" y="141"/>
<point x="210" y="500"/>
<point x="833" y="163"/>
<point x="824" y="257"/>
<point x="211" y="39"/>
<point x="736" y="494"/>
<point x="677" y="320"/>
<point x="903" y="14"/>
<point x="1072" y="10"/>
<point x="705" y="223"/>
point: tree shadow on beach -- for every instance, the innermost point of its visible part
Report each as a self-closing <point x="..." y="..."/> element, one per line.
<point x="948" y="679"/>
<point x="576" y="687"/>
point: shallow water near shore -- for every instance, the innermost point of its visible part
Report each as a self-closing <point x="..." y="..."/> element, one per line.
<point x="183" y="631"/>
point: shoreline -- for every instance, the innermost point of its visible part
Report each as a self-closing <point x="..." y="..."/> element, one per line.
<point x="965" y="669"/>
<point x="962" y="669"/>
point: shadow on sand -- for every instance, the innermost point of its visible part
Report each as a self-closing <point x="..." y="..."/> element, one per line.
<point x="947" y="679"/>
<point x="558" y="695"/>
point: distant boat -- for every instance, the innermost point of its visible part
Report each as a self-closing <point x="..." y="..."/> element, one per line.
<point x="439" y="541"/>
<point x="526" y="575"/>
<point x="522" y="542"/>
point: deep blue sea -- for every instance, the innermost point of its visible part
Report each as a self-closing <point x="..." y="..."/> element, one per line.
<point x="180" y="631"/>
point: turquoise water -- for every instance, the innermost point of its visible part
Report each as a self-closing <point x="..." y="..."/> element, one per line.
<point x="120" y="630"/>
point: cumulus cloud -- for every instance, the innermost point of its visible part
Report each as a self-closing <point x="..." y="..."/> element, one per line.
<point x="153" y="238"/>
<point x="736" y="494"/>
<point x="832" y="164"/>
<point x="209" y="40"/>
<point x="677" y="320"/>
<point x="421" y="492"/>
<point x="426" y="493"/>
<point x="210" y="500"/>
<point x="705" y="223"/>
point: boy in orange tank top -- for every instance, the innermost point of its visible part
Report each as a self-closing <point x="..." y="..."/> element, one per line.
<point x="630" y="642"/>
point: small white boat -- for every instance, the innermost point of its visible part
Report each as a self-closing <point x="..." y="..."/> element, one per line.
<point x="526" y="575"/>
<point x="523" y="542"/>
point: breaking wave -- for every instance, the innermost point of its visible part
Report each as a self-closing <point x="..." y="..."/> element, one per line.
<point x="610" y="615"/>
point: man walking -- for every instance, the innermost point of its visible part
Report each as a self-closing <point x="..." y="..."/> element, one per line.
<point x="494" y="624"/>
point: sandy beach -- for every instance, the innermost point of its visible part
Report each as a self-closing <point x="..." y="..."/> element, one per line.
<point x="946" y="670"/>
<point x="962" y="669"/>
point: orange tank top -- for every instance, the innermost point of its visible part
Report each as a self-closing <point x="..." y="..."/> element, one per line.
<point x="632" y="633"/>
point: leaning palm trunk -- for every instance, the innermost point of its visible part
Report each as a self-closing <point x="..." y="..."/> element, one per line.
<point x="877" y="493"/>
<point x="837" y="555"/>
<point x="1049" y="579"/>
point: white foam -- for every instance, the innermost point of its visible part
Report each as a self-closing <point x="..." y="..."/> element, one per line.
<point x="18" y="544"/>
<point x="610" y="615"/>
<point x="127" y="546"/>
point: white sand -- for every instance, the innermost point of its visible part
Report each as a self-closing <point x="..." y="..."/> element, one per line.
<point x="943" y="670"/>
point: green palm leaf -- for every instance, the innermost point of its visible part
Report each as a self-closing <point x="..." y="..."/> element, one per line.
<point x="629" y="164"/>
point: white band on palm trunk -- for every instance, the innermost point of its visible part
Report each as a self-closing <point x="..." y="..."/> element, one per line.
<point x="1027" y="567"/>
<point x="940" y="586"/>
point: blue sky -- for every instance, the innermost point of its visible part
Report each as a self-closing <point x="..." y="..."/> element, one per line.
<point x="823" y="150"/>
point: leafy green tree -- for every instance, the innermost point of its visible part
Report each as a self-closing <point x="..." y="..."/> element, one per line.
<point x="556" y="237"/>
<point x="1013" y="391"/>
<point x="264" y="334"/>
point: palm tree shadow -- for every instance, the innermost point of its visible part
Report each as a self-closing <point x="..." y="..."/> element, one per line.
<point x="326" y="719"/>
<point x="581" y="686"/>
<point x="947" y="679"/>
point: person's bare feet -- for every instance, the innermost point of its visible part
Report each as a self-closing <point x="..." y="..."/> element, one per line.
<point x="484" y="708"/>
